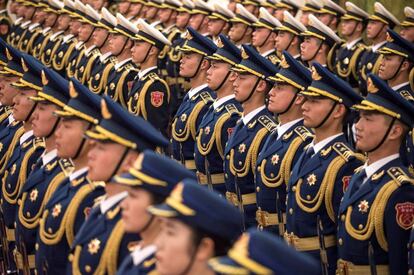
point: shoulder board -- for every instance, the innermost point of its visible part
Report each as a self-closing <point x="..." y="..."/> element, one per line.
<point x="67" y="166"/>
<point x="344" y="151"/>
<point x="274" y="59"/>
<point x="153" y="76"/>
<point x="38" y="142"/>
<point x="206" y="97"/>
<point x="267" y="122"/>
<point x="231" y="109"/>
<point x="407" y="95"/>
<point x="303" y="132"/>
<point x="98" y="200"/>
<point x="96" y="52"/>
<point x="113" y="59"/>
<point x="128" y="67"/>
<point x="359" y="169"/>
<point x="399" y="176"/>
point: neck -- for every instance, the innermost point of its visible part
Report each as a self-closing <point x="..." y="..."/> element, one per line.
<point x="105" y="48"/>
<point x="27" y="126"/>
<point x="402" y="77"/>
<point x="245" y="40"/>
<point x="149" y="235"/>
<point x="266" y="47"/>
<point x="380" y="38"/>
<point x="148" y="64"/>
<point x="124" y="55"/>
<point x="293" y="50"/>
<point x="325" y="132"/>
<point x="50" y="143"/>
<point x="382" y="152"/>
<point x="291" y="115"/>
<point x="251" y="105"/>
<point x="203" y="29"/>
<point x="81" y="161"/>
<point x="354" y="36"/>
<point x="88" y="44"/>
<point x="112" y="189"/>
<point x="319" y="58"/>
<point x="198" y="80"/>
<point x="225" y="90"/>
<point x="201" y="268"/>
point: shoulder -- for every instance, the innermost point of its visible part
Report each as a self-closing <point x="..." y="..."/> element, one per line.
<point x="267" y="122"/>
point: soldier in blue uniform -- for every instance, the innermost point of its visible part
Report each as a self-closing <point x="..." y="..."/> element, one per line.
<point x="150" y="95"/>
<point x="318" y="43"/>
<point x="4" y="109"/>
<point x="106" y="61"/>
<point x="353" y="24"/>
<point x="219" y="21"/>
<point x="69" y="205"/>
<point x="100" y="244"/>
<point x="199" y="18"/>
<point x="24" y="155"/>
<point x="193" y="233"/>
<point x="321" y="174"/>
<point x="186" y="122"/>
<point x="147" y="186"/>
<point x="242" y="26"/>
<point x="377" y="210"/>
<point x="288" y="36"/>
<point x="283" y="146"/>
<point x="220" y="118"/>
<point x="258" y="252"/>
<point x="122" y="74"/>
<point x="407" y="26"/>
<point x="26" y="12"/>
<point x="48" y="172"/>
<point x="264" y="35"/>
<point x="378" y="23"/>
<point x="250" y="132"/>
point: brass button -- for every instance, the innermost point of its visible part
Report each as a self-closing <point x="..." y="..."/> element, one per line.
<point x="343" y="217"/>
<point x="308" y="197"/>
<point x="50" y="230"/>
<point x="70" y="257"/>
<point x="257" y="189"/>
<point x="240" y="163"/>
<point x="294" y="188"/>
<point x="228" y="157"/>
<point x="272" y="175"/>
<point x="88" y="268"/>
<point x="290" y="211"/>
<point x="259" y="168"/>
<point x="360" y="226"/>
<point x="340" y="241"/>
<point x="37" y="246"/>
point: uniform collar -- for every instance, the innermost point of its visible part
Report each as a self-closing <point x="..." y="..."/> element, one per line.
<point x="374" y="167"/>
<point x="26" y="136"/>
<point x="321" y="144"/>
<point x="67" y="37"/>
<point x="193" y="91"/>
<point x="46" y="30"/>
<point x="105" y="56"/>
<point x="352" y="43"/>
<point x="111" y="201"/>
<point x="139" y="255"/>
<point x="142" y="73"/>
<point x="11" y="119"/>
<point x="33" y="26"/>
<point x="400" y="86"/>
<point x="88" y="50"/>
<point x="283" y="128"/>
<point x="76" y="174"/>
<point x="378" y="45"/>
<point x="79" y="45"/>
<point x="47" y="157"/>
<point x="222" y="100"/>
<point x="55" y="35"/>
<point x="267" y="53"/>
<point x="252" y="114"/>
<point x="122" y="63"/>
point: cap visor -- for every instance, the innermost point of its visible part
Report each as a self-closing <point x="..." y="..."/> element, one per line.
<point x="163" y="210"/>
<point x="225" y="265"/>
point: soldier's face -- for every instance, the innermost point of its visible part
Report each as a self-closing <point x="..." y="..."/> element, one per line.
<point x="164" y="15"/>
<point x="44" y="119"/>
<point x="151" y="13"/>
<point x="196" y="20"/>
<point x="40" y="16"/>
<point x="140" y="51"/>
<point x="175" y="248"/>
<point x="237" y="31"/>
<point x="309" y="47"/>
<point x="282" y="40"/>
<point x="189" y="64"/>
<point x="103" y="159"/>
<point x="216" y="74"/>
<point x="8" y="92"/>
<point x="389" y="66"/>
<point x="99" y="36"/>
<point x="215" y="26"/>
<point x="370" y="129"/>
<point x="116" y="43"/>
<point x="304" y="18"/>
<point x="407" y="33"/>
<point x="50" y="20"/>
<point x="374" y="28"/>
<point x="280" y="97"/>
<point x="260" y="35"/>
<point x="123" y="7"/>
<point x="74" y="27"/>
<point x="23" y="105"/>
<point x="348" y="27"/>
<point x="63" y="22"/>
<point x="182" y="19"/>
<point x="325" y="18"/>
<point x="85" y="32"/>
<point x="134" y="210"/>
<point x="135" y="9"/>
<point x="279" y="14"/>
<point x="243" y="86"/>
<point x="315" y="109"/>
<point x="69" y="136"/>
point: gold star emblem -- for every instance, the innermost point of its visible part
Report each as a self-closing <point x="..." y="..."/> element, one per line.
<point x="311" y="179"/>
<point x="207" y="130"/>
<point x="13" y="169"/>
<point x="33" y="195"/>
<point x="93" y="246"/>
<point x="363" y="206"/>
<point x="112" y="86"/>
<point x="97" y="76"/>
<point x="1" y="146"/>
<point x="60" y="54"/>
<point x="56" y="210"/>
<point x="275" y="159"/>
<point x="183" y="117"/>
<point x="242" y="148"/>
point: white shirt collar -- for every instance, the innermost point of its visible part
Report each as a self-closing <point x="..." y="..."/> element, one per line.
<point x="46" y="30"/>
<point x="26" y="136"/>
<point x="374" y="167"/>
<point x="122" y="63"/>
<point x="252" y="114"/>
<point x="11" y="119"/>
<point x="193" y="91"/>
<point x="222" y="100"/>
<point x="26" y="24"/>
<point x="78" y="173"/>
<point x="142" y="73"/>
<point x="67" y="37"/>
<point x="88" y="50"/>
<point x="321" y="144"/>
<point x="139" y="255"/>
<point x="107" y="203"/>
<point x="296" y="56"/>
<point x="377" y="46"/>
<point x="47" y="157"/>
<point x="53" y="36"/>
<point x="79" y="44"/>
<point x="33" y="26"/>
<point x="269" y="52"/>
<point x="349" y="45"/>
<point x="399" y="86"/>
<point x="105" y="56"/>
<point x="283" y="128"/>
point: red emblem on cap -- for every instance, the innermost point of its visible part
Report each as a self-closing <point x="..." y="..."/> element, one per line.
<point x="345" y="182"/>
<point x="157" y="98"/>
<point x="405" y="215"/>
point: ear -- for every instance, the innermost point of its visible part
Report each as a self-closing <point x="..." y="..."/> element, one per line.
<point x="262" y="87"/>
<point x="396" y="132"/>
<point x="300" y="99"/>
<point x="359" y="27"/>
<point x="405" y="66"/>
<point x="205" y="64"/>
<point x="205" y="249"/>
<point x="232" y="77"/>
<point x="339" y="111"/>
<point x="154" y="51"/>
<point x="129" y="160"/>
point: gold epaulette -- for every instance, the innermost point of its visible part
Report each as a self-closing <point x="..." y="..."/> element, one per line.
<point x="303" y="132"/>
<point x="231" y="109"/>
<point x="399" y="176"/>
<point x="67" y="166"/>
<point x="98" y="201"/>
<point x="113" y="59"/>
<point x="267" y="122"/>
<point x="152" y="76"/>
<point x="128" y="67"/>
<point x="206" y="97"/>
<point x="39" y="142"/>
<point x="344" y="151"/>
<point x="274" y="59"/>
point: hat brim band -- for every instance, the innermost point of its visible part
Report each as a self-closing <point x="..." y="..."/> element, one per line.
<point x="51" y="99"/>
<point x="241" y="68"/>
<point x="221" y="268"/>
<point x="370" y="106"/>
<point x="312" y="91"/>
<point x="289" y="81"/>
<point x="248" y="263"/>
<point x="114" y="137"/>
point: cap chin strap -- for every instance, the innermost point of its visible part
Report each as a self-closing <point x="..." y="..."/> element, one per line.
<point x="198" y="68"/>
<point x="224" y="81"/>
<point x="244" y="33"/>
<point x="119" y="163"/>
<point x="252" y="91"/>
<point x="30" y="112"/>
<point x="103" y="43"/>
<point x="82" y="143"/>
<point x="290" y="105"/>
<point x="378" y="32"/>
<point x="384" y="137"/>
<point x="290" y="42"/>
<point x="397" y="71"/>
<point x="53" y="129"/>
<point x="123" y="48"/>
<point x="147" y="54"/>
<point x="327" y="116"/>
<point x="316" y="52"/>
<point x="201" y="22"/>
<point x="90" y="35"/>
<point x="264" y="41"/>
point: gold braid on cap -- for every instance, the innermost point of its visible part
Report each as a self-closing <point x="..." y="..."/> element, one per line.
<point x="104" y="110"/>
<point x="45" y="81"/>
<point x="72" y="90"/>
